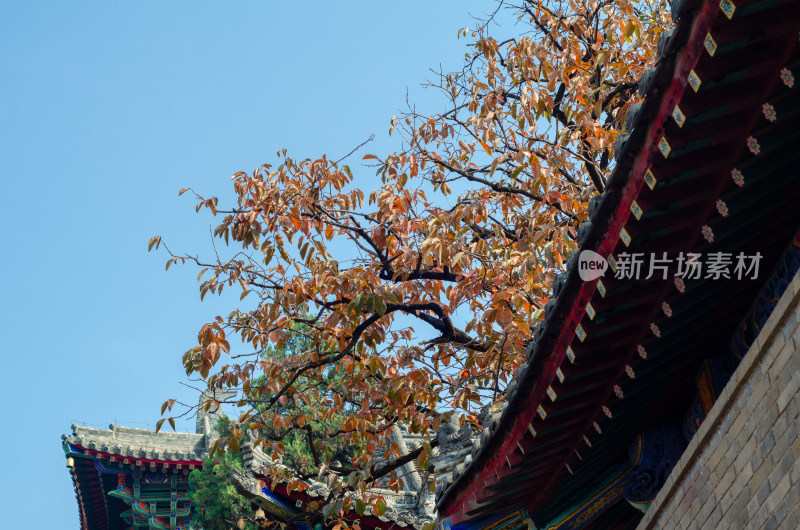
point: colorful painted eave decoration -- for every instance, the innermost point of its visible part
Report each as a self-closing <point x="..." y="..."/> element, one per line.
<point x="153" y="490"/>
<point x="703" y="160"/>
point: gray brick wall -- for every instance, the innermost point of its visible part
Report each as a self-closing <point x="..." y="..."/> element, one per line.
<point x="742" y="469"/>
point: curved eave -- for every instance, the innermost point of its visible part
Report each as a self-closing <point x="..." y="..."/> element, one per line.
<point x="72" y="449"/>
<point x="523" y="447"/>
<point x="392" y="518"/>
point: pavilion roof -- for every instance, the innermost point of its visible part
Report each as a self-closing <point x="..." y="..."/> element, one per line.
<point x="96" y="454"/>
<point x="139" y="444"/>
<point x="411" y="507"/>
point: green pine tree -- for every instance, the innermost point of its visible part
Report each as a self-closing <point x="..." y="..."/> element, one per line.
<point x="215" y="502"/>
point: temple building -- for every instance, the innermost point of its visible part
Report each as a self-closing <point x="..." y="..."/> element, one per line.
<point x="661" y="389"/>
<point x="132" y="478"/>
<point x="129" y="479"/>
<point x="136" y="478"/>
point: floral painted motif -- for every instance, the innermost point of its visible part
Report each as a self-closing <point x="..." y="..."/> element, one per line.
<point x="641" y="351"/>
<point x="708" y="234"/>
<point x="597" y="427"/>
<point x="679" y="285"/>
<point x="606" y="411"/>
<point x="630" y="372"/>
<point x="618" y="391"/>
<point x="787" y="77"/>
<point x="655" y="330"/>
<point x="752" y="144"/>
<point x="586" y="439"/>
<point x="666" y="309"/>
<point x="769" y="112"/>
<point x="722" y="208"/>
<point x="737" y="177"/>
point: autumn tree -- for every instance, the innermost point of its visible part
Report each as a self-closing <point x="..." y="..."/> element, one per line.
<point x="422" y="292"/>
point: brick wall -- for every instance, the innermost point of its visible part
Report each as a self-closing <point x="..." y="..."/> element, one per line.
<point x="742" y="469"/>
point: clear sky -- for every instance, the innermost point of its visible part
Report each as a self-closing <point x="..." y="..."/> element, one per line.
<point x="107" y="109"/>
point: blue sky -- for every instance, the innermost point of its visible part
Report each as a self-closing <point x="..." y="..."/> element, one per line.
<point x="107" y="110"/>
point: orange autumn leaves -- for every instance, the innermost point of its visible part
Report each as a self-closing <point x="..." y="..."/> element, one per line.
<point x="421" y="293"/>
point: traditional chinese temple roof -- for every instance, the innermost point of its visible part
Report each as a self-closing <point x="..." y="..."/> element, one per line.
<point x="708" y="166"/>
<point x="126" y="477"/>
<point x="136" y="478"/>
<point x="139" y="444"/>
<point x="152" y="463"/>
<point x="411" y="507"/>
